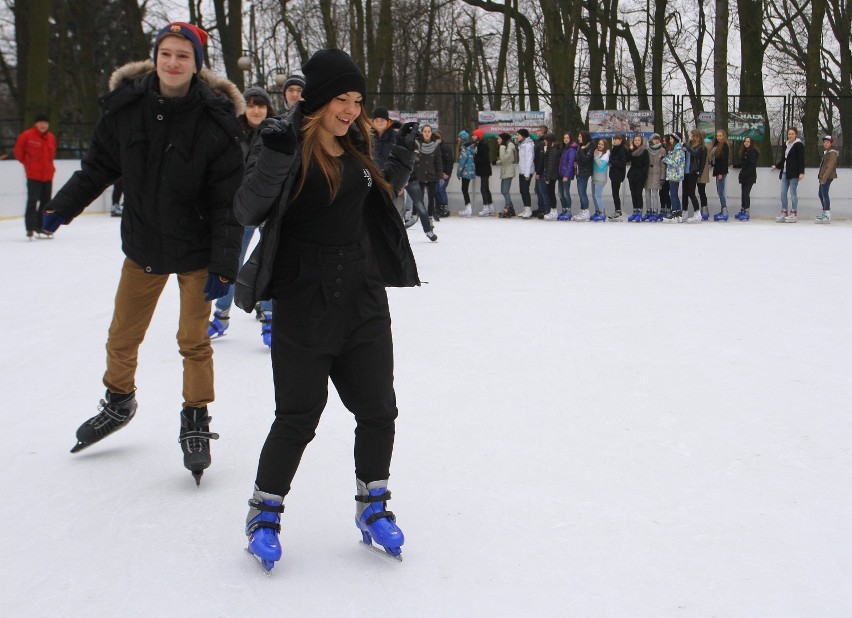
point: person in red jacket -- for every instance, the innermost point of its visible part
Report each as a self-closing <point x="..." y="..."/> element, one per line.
<point x="36" y="149"/>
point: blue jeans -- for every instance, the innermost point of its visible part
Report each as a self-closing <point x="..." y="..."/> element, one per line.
<point x="564" y="187"/>
<point x="823" y="195"/>
<point x="597" y="197"/>
<point x="224" y="303"/>
<point x="441" y="192"/>
<point x="674" y="195"/>
<point x="415" y="192"/>
<point x="720" y="189"/>
<point x="793" y="185"/>
<point x="583" y="192"/>
<point x="505" y="185"/>
<point x="541" y="192"/>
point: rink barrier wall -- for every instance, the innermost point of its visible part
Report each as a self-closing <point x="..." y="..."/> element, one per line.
<point x="765" y="196"/>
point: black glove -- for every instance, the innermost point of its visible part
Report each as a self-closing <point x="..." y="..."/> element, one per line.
<point x="278" y="134"/>
<point x="407" y="136"/>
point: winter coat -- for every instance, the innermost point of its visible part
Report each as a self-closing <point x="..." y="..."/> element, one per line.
<point x="466" y="169"/>
<point x="654" y="180"/>
<point x="828" y="166"/>
<point x="447" y="158"/>
<point x="601" y="166"/>
<point x="566" y="161"/>
<point x="704" y="178"/>
<point x="638" y="172"/>
<point x="382" y="145"/>
<point x="552" y="156"/>
<point x="264" y="195"/>
<point x="36" y="150"/>
<point x="675" y="163"/>
<point x="748" y="171"/>
<point x="507" y="160"/>
<point x="618" y="163"/>
<point x="585" y="160"/>
<point x="482" y="159"/>
<point x="526" y="157"/>
<point x="180" y="163"/>
<point x="697" y="158"/>
<point x="720" y="156"/>
<point x="430" y="166"/>
<point x="794" y="157"/>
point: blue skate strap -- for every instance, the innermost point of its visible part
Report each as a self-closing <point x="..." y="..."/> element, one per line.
<point x="380" y="515"/>
<point x="379" y="498"/>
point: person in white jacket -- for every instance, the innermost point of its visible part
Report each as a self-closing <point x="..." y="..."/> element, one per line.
<point x="526" y="169"/>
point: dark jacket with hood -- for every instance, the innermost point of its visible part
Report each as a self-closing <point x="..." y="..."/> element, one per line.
<point x="585" y="160"/>
<point x="748" y="171"/>
<point x="618" y="162"/>
<point x="639" y="163"/>
<point x="550" y="169"/>
<point x="264" y="195"/>
<point x="181" y="164"/>
<point x="795" y="160"/>
<point x="482" y="159"/>
<point x="382" y="145"/>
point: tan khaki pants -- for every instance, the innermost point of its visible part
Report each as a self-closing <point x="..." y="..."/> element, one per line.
<point x="135" y="301"/>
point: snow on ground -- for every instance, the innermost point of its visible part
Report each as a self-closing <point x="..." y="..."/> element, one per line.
<point x="595" y="420"/>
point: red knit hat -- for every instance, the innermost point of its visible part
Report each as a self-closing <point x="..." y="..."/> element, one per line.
<point x="195" y="35"/>
<point x="479" y="134"/>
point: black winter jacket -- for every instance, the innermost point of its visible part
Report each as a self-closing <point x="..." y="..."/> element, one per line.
<point x="585" y="160"/>
<point x="697" y="158"/>
<point x="618" y="163"/>
<point x="721" y="159"/>
<point x="181" y="164"/>
<point x="482" y="159"/>
<point x="382" y="145"/>
<point x="795" y="161"/>
<point x="639" y="163"/>
<point x="265" y="195"/>
<point x="550" y="169"/>
<point x="748" y="171"/>
<point x="447" y="158"/>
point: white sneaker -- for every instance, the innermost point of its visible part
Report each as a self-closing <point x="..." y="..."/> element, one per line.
<point x="824" y="217"/>
<point x="527" y="212"/>
<point x="583" y="216"/>
<point x="466" y="211"/>
<point x="792" y="217"/>
<point x="551" y="215"/>
<point x="696" y="218"/>
<point x="673" y="219"/>
<point x="782" y="218"/>
<point x="486" y="211"/>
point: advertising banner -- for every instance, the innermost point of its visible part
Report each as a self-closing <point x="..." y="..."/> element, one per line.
<point x="607" y="123"/>
<point x="493" y="123"/>
<point x="429" y="117"/>
<point x="740" y="125"/>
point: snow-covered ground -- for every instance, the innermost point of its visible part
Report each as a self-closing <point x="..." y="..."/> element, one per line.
<point x="595" y="420"/>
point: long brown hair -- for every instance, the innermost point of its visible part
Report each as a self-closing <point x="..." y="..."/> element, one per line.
<point x="312" y="151"/>
<point x="696" y="137"/>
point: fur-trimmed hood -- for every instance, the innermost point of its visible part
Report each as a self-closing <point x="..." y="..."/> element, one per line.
<point x="135" y="71"/>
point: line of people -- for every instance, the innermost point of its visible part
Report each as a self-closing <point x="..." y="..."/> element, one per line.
<point x="665" y="175"/>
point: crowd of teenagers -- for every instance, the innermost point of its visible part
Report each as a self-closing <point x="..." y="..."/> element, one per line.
<point x="202" y="166"/>
<point x="664" y="175"/>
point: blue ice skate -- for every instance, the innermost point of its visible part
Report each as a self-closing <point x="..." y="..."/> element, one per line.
<point x="375" y="522"/>
<point x="742" y="215"/>
<point x="262" y="528"/>
<point x="635" y="217"/>
<point x="599" y="217"/>
<point x="266" y="328"/>
<point x="219" y="324"/>
<point x="565" y="215"/>
<point x="648" y="216"/>
<point x="722" y="215"/>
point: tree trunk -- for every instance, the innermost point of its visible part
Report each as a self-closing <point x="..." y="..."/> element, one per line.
<point x="229" y="24"/>
<point x="814" y="87"/>
<point x="752" y="49"/>
<point x="840" y="18"/>
<point x="501" y="61"/>
<point x="356" y="32"/>
<point x="658" y="42"/>
<point x="720" y="64"/>
<point x="384" y="51"/>
<point x="329" y="26"/>
<point x="36" y="59"/>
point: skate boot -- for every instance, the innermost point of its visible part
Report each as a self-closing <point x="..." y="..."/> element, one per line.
<point x="616" y="216"/>
<point x="266" y="328"/>
<point x="117" y="210"/>
<point x="466" y="211"/>
<point x="722" y="215"/>
<point x="674" y="217"/>
<point x="647" y="216"/>
<point x="793" y="217"/>
<point x="262" y="528"/>
<point x="374" y="521"/>
<point x="782" y="218"/>
<point x="705" y="213"/>
<point x="742" y="215"/>
<point x="636" y="217"/>
<point x="431" y="235"/>
<point x="565" y="215"/>
<point x="551" y="215"/>
<point x="487" y="210"/>
<point x="114" y="412"/>
<point x="598" y="217"/>
<point x="583" y="216"/>
<point x="823" y="217"/>
<point x="697" y="217"/>
<point x="195" y="439"/>
<point x="527" y="214"/>
<point x="219" y="324"/>
<point x="507" y="213"/>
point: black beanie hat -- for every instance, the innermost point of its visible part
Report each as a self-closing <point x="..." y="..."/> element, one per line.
<point x="505" y="138"/>
<point x="294" y="80"/>
<point x="328" y="73"/>
<point x="381" y="112"/>
<point x="258" y="93"/>
<point x="523" y="132"/>
<point x="42" y="117"/>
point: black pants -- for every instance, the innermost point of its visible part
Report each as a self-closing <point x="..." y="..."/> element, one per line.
<point x="636" y="188"/>
<point x="485" y="190"/>
<point x="331" y="321"/>
<point x="690" y="181"/>
<point x="702" y="194"/>
<point x="465" y="189"/>
<point x="665" y="196"/>
<point x="616" y="193"/>
<point x="524" y="187"/>
<point x="746" y="195"/>
<point x="117" y="191"/>
<point x="38" y="195"/>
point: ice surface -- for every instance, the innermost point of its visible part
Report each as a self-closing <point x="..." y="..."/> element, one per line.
<point x="595" y="420"/>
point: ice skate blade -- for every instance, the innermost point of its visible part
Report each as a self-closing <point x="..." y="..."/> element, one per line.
<point x="197" y="474"/>
<point x="380" y="551"/>
<point x="259" y="563"/>
<point x="80" y="446"/>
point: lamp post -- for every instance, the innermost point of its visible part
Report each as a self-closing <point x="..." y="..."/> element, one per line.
<point x="275" y="79"/>
<point x="249" y="61"/>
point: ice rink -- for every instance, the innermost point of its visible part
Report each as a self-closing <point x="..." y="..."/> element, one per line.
<point x="610" y="420"/>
